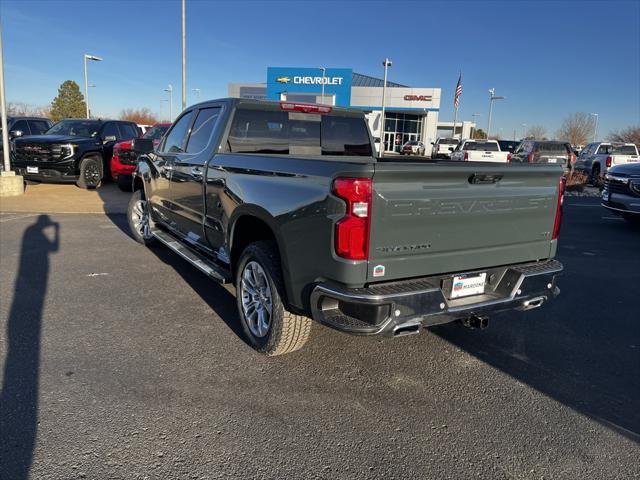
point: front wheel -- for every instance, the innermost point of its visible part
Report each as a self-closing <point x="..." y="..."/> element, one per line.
<point x="268" y="326"/>
<point x="90" y="173"/>
<point x="139" y="219"/>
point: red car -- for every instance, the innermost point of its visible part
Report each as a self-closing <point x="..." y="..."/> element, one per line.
<point x="123" y="161"/>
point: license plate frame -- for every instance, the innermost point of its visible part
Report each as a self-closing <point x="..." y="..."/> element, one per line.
<point x="467" y="285"/>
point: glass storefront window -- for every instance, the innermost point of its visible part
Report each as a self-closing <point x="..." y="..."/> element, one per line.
<point x="400" y="128"/>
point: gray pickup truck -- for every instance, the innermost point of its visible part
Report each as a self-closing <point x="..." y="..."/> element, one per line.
<point x="289" y="203"/>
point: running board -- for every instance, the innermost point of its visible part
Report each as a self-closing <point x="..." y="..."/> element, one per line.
<point x="206" y="266"/>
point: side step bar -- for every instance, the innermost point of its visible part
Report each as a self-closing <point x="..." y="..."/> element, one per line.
<point x="202" y="263"/>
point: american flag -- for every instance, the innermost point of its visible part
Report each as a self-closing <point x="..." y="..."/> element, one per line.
<point x="456" y="98"/>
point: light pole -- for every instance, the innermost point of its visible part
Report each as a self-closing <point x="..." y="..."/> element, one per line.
<point x="595" y="127"/>
<point x="86" y="81"/>
<point x="162" y="100"/>
<point x="492" y="98"/>
<point x="474" y="115"/>
<point x="170" y="90"/>
<point x="3" y="114"/>
<point x="197" y="90"/>
<point x="324" y="71"/>
<point x="524" y="131"/>
<point x="386" y="63"/>
<point x="184" y="56"/>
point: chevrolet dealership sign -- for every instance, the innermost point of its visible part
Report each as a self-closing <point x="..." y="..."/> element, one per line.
<point x="289" y="81"/>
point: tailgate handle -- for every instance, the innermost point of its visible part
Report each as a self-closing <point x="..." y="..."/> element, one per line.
<point x="479" y="178"/>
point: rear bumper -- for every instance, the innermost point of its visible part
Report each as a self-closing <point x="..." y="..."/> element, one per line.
<point x="390" y="308"/>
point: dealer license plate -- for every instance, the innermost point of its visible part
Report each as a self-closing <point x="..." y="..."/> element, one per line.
<point x="468" y="284"/>
<point x="552" y="160"/>
<point x="32" y="169"/>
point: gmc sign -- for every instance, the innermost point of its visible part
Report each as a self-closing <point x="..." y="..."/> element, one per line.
<point x="417" y="98"/>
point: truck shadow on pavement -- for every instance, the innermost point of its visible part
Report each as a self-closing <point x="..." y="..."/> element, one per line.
<point x="19" y="394"/>
<point x="582" y="350"/>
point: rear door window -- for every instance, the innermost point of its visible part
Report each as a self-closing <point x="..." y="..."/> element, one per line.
<point x="127" y="131"/>
<point x="21" y="125"/>
<point x="297" y="133"/>
<point x="110" y="130"/>
<point x="38" y="127"/>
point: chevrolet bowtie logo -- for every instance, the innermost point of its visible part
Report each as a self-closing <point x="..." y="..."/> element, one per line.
<point x="283" y="79"/>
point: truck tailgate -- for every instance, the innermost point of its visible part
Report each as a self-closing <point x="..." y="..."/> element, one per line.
<point x="437" y="218"/>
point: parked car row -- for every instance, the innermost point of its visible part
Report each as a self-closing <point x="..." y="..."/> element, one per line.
<point x="79" y="151"/>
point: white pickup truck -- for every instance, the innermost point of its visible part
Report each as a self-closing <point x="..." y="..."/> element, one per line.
<point x="480" y="151"/>
<point x="596" y="158"/>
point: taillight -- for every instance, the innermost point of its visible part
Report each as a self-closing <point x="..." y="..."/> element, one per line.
<point x="530" y="158"/>
<point x="352" y="231"/>
<point x="509" y="157"/>
<point x="304" y="107"/>
<point x="609" y="161"/>
<point x="466" y="156"/>
<point x="558" y="220"/>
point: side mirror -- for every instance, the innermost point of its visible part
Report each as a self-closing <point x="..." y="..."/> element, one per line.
<point x="142" y="145"/>
<point x="109" y="138"/>
<point x="376" y="140"/>
<point x="15" y="133"/>
<point x="451" y="149"/>
<point x="433" y="143"/>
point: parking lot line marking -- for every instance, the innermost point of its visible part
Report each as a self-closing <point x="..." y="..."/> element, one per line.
<point x="18" y="217"/>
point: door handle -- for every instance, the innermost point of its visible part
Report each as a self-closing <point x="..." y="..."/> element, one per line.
<point x="196" y="172"/>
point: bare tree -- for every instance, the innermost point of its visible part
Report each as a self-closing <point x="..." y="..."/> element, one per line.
<point x="577" y="128"/>
<point x="21" y="109"/>
<point x="536" y="132"/>
<point x="142" y="116"/>
<point x="628" y="135"/>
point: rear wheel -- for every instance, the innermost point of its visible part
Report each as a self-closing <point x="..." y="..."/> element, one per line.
<point x="139" y="219"/>
<point x="269" y="327"/>
<point x="125" y="183"/>
<point x="596" y="179"/>
<point x="90" y="173"/>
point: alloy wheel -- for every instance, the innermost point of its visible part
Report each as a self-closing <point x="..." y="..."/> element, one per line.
<point x="257" y="302"/>
<point x="140" y="219"/>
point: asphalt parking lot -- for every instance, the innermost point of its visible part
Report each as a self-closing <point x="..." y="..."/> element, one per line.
<point x="121" y="362"/>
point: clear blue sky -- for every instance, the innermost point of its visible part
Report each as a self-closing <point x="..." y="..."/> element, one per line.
<point x="548" y="58"/>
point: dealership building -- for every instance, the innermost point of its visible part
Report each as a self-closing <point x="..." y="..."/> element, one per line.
<point x="411" y="113"/>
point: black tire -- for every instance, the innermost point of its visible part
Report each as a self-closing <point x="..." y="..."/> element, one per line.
<point x="136" y="212"/>
<point x="125" y="183"/>
<point x="286" y="332"/>
<point x="90" y="173"/>
<point x="596" y="179"/>
<point x="633" y="219"/>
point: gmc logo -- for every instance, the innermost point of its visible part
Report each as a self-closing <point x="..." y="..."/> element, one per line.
<point x="417" y="98"/>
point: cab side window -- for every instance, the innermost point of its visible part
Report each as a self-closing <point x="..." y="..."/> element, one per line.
<point x="127" y="131"/>
<point x="22" y="126"/>
<point x="38" y="127"/>
<point x="110" y="130"/>
<point x="176" y="138"/>
<point x="202" y="129"/>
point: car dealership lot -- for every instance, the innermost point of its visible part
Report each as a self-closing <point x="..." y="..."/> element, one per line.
<point x="124" y="362"/>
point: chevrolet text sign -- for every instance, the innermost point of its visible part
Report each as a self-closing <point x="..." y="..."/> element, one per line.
<point x="287" y="82"/>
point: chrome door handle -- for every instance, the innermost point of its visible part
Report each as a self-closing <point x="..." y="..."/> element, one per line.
<point x="196" y="172"/>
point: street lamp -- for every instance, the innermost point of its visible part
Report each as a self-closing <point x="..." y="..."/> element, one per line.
<point x="86" y="81"/>
<point x="184" y="56"/>
<point x="324" y="71"/>
<point x="170" y="90"/>
<point x="492" y="98"/>
<point x="474" y="115"/>
<point x="197" y="90"/>
<point x="386" y="63"/>
<point x="595" y="127"/>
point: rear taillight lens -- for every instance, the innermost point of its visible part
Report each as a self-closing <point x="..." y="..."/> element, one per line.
<point x="558" y="220"/>
<point x="352" y="231"/>
<point x="509" y="157"/>
<point x="466" y="156"/>
<point x="609" y="161"/>
<point x="530" y="158"/>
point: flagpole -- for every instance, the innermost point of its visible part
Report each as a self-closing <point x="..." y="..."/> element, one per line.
<point x="455" y="121"/>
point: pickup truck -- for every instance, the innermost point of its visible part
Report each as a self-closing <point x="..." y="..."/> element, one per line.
<point x="443" y="147"/>
<point x="596" y="158"/>
<point x="288" y="202"/>
<point x="480" y="151"/>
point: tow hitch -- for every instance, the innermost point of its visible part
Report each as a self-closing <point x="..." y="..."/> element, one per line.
<point x="476" y="322"/>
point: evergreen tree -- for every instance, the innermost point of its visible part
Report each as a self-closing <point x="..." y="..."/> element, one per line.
<point x="69" y="103"/>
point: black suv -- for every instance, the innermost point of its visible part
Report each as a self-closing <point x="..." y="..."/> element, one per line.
<point x="22" y="126"/>
<point x="73" y="150"/>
